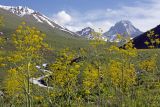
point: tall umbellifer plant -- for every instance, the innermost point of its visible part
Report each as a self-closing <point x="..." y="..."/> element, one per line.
<point x="1" y="43"/>
<point x="29" y="44"/>
<point x="90" y="80"/>
<point x="64" y="78"/>
<point x="122" y="69"/>
<point x="153" y="42"/>
<point x="149" y="77"/>
<point x="97" y="48"/>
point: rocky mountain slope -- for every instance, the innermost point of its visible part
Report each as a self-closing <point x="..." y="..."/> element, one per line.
<point x="86" y="32"/>
<point x="124" y="28"/>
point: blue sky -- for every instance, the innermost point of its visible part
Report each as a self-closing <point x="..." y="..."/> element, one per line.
<point x="51" y="6"/>
<point x="77" y="14"/>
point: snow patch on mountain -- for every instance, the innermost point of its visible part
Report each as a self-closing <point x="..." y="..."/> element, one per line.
<point x="19" y="10"/>
<point x="40" y="18"/>
<point x="86" y="32"/>
<point x="46" y="20"/>
<point x="60" y="26"/>
<point x="5" y="7"/>
<point x="37" y="18"/>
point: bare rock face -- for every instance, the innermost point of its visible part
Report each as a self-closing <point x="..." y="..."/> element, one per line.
<point x="123" y="27"/>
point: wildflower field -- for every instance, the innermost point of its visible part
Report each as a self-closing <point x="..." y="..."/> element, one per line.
<point x="99" y="75"/>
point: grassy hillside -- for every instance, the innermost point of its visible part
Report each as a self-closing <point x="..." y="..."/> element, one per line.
<point x="55" y="37"/>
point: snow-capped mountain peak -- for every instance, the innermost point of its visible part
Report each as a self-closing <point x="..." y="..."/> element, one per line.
<point x="37" y="16"/>
<point x="123" y="27"/>
<point x="19" y="10"/>
<point x="86" y="32"/>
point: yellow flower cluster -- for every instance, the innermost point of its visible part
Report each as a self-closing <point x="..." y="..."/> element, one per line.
<point x="148" y="65"/>
<point x="28" y="39"/>
<point x="63" y="70"/>
<point x="122" y="74"/>
<point x="13" y="83"/>
<point x="90" y="78"/>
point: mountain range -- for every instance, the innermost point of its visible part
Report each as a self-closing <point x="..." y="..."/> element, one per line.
<point x="59" y="36"/>
<point x="123" y="27"/>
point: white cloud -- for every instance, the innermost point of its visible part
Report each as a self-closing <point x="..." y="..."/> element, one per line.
<point x="144" y="15"/>
<point x="62" y="17"/>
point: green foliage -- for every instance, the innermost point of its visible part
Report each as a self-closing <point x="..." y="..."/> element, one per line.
<point x="153" y="41"/>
